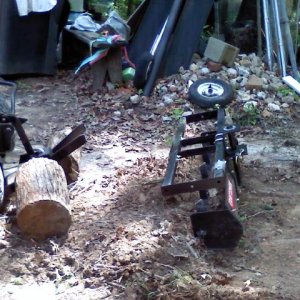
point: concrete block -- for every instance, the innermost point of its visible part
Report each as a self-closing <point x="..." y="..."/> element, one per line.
<point x="254" y="83"/>
<point x="221" y="52"/>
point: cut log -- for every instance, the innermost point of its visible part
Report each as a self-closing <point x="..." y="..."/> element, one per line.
<point x="42" y="199"/>
<point x="70" y="164"/>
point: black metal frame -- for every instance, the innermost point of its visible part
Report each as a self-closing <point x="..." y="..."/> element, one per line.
<point x="220" y="151"/>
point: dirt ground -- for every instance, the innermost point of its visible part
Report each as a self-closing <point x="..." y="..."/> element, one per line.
<point x="129" y="242"/>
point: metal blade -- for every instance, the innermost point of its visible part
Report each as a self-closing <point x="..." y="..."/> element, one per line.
<point x="67" y="149"/>
<point x="78" y="131"/>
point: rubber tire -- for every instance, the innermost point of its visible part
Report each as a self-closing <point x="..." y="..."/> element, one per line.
<point x="206" y="102"/>
<point x="142" y="71"/>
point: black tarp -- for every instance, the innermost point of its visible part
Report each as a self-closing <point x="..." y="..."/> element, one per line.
<point x="28" y="43"/>
<point x="175" y="47"/>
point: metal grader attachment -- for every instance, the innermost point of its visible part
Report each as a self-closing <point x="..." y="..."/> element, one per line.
<point x="11" y="124"/>
<point x="216" y="223"/>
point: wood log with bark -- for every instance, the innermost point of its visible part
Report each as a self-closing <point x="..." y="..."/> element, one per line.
<point x="42" y="199"/>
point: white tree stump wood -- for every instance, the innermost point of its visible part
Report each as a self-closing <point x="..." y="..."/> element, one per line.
<point x="42" y="199"/>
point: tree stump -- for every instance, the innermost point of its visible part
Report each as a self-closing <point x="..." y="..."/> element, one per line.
<point x="42" y="199"/>
<point x="70" y="164"/>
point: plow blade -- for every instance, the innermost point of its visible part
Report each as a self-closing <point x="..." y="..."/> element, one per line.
<point x="217" y="228"/>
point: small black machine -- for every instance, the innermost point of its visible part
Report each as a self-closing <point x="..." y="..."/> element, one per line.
<point x="214" y="221"/>
<point x="10" y="124"/>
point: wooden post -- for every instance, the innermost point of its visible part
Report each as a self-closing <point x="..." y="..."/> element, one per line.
<point x="110" y="65"/>
<point x="42" y="199"/>
<point x="99" y="72"/>
<point x="114" y="64"/>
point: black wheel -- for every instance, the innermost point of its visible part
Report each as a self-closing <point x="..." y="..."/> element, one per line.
<point x="142" y="70"/>
<point x="209" y="92"/>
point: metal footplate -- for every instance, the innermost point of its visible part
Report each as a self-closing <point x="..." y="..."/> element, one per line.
<point x="218" y="224"/>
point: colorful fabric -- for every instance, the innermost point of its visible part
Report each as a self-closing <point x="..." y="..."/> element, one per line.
<point x="106" y="42"/>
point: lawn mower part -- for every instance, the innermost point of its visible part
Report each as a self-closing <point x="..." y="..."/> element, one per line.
<point x="215" y="219"/>
<point x="209" y="92"/>
<point x="144" y="63"/>
<point x="143" y="67"/>
<point x="10" y="124"/>
<point x="178" y="42"/>
<point x="7" y="107"/>
<point x="151" y="68"/>
<point x="161" y="47"/>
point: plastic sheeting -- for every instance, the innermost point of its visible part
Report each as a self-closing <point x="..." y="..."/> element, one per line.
<point x="27" y="6"/>
<point x="28" y="43"/>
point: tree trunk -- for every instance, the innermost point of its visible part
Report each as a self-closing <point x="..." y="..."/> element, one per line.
<point x="70" y="164"/>
<point x="42" y="199"/>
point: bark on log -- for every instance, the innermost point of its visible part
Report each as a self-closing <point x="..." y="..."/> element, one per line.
<point x="70" y="164"/>
<point x="42" y="199"/>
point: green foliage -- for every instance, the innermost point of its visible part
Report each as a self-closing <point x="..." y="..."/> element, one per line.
<point x="176" y="113"/>
<point x="168" y="141"/>
<point x="102" y="7"/>
<point x="126" y="7"/>
<point x="286" y="91"/>
<point x="248" y="115"/>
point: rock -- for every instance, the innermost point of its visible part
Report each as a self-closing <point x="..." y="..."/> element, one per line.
<point x="117" y="113"/>
<point x="245" y="63"/>
<point x="166" y="119"/>
<point x="135" y="99"/>
<point x="242" y="81"/>
<point x="285" y="105"/>
<point x="273" y="107"/>
<point x="167" y="99"/>
<point x="163" y="89"/>
<point x="181" y="70"/>
<point x="256" y="61"/>
<point x="254" y="83"/>
<point x="213" y="66"/>
<point x="269" y="100"/>
<point x="3" y="244"/>
<point x="273" y="87"/>
<point x="248" y="106"/>
<point x="110" y="86"/>
<point x="234" y="84"/>
<point x="243" y="96"/>
<point x="194" y="77"/>
<point x="232" y="73"/>
<point x="257" y="71"/>
<point x="204" y="71"/>
<point x="266" y="113"/>
<point x="185" y="76"/>
<point x="266" y="76"/>
<point x="194" y="67"/>
<point x="261" y="95"/>
<point x="287" y="99"/>
<point x="242" y="71"/>
<point x="173" y="88"/>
